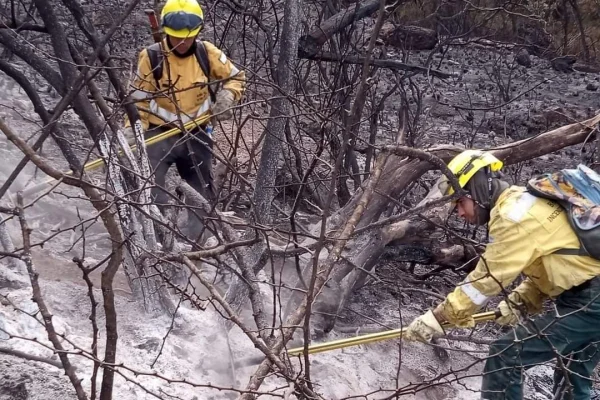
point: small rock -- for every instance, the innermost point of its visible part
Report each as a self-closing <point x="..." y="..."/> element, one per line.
<point x="591" y="87"/>
<point x="409" y="37"/>
<point x="16" y="392"/>
<point x="3" y="334"/>
<point x="523" y="58"/>
<point x="12" y="280"/>
<point x="20" y="104"/>
<point x="151" y="344"/>
<point x="563" y="64"/>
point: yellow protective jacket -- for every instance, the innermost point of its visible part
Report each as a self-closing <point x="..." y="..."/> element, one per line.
<point x="524" y="232"/>
<point x="183" y="91"/>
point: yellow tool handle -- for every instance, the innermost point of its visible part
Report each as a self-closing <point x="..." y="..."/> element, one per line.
<point x="375" y="337"/>
<point x="347" y="342"/>
<point x="96" y="163"/>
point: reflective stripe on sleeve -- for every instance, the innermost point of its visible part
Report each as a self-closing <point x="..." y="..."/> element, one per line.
<point x="140" y="95"/>
<point x="204" y="107"/>
<point x="475" y="295"/>
<point x="223" y="58"/>
<point x="234" y="71"/>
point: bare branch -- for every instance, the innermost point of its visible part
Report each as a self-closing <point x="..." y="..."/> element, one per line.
<point x="39" y="300"/>
<point x="26" y="356"/>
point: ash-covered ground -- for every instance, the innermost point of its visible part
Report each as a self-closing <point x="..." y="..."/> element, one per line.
<point x="195" y="348"/>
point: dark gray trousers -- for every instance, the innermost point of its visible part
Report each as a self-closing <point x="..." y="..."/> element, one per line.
<point x="185" y="152"/>
<point x="574" y="336"/>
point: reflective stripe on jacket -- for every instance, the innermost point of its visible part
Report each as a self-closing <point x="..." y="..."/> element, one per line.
<point x="524" y="232"/>
<point x="183" y="91"/>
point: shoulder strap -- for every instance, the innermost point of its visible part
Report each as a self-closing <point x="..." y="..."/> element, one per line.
<point x="202" y="56"/>
<point x="572" y="252"/>
<point x="156" y="58"/>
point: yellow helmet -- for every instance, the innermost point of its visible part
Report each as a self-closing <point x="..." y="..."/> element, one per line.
<point x="182" y="18"/>
<point x="467" y="163"/>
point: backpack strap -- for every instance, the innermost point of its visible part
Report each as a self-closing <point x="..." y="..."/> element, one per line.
<point x="155" y="55"/>
<point x="572" y="252"/>
<point x="202" y="57"/>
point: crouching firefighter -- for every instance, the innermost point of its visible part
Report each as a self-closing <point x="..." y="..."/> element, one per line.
<point x="171" y="86"/>
<point x="533" y="236"/>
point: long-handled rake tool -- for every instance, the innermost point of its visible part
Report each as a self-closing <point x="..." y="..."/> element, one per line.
<point x="98" y="162"/>
<point x="362" y="339"/>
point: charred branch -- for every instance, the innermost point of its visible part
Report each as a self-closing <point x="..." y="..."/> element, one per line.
<point x="23" y="26"/>
<point x="28" y="54"/>
<point x="32" y="357"/>
<point x="99" y="44"/>
<point x="311" y="43"/>
<point x="49" y="125"/>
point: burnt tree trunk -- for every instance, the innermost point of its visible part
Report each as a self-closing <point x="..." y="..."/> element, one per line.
<point x="264" y="191"/>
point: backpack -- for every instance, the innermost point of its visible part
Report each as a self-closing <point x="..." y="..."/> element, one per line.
<point x="156" y="63"/>
<point x="578" y="192"/>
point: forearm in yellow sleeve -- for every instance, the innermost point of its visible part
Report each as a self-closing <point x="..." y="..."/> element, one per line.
<point x="221" y="68"/>
<point x="237" y="84"/>
<point x="468" y="297"/>
<point x="484" y="282"/>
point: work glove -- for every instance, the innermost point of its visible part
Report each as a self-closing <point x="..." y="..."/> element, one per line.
<point x="510" y="314"/>
<point x="221" y="110"/>
<point x="423" y="328"/>
<point x="513" y="309"/>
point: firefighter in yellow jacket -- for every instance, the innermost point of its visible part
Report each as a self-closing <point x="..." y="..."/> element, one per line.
<point x="528" y="236"/>
<point x="182" y="94"/>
